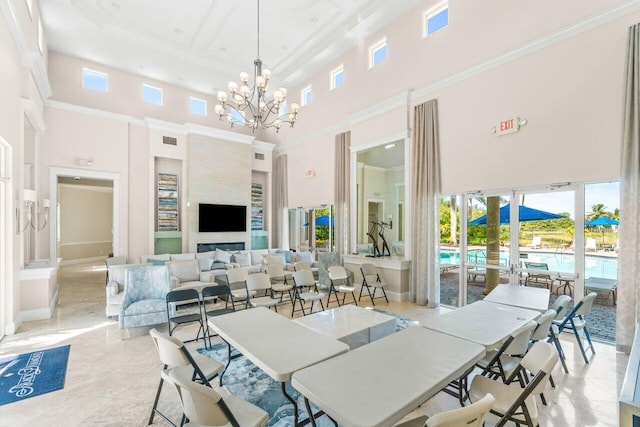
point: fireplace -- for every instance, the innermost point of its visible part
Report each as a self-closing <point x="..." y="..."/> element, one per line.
<point x="227" y="246"/>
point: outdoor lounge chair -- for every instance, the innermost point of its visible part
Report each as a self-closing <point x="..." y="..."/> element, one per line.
<point x="536" y="243"/>
<point x="543" y="278"/>
<point x="591" y="245"/>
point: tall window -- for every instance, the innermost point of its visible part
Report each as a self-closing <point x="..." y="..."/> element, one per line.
<point x="95" y="80"/>
<point x="306" y="95"/>
<point x="337" y="77"/>
<point x="198" y="106"/>
<point x="378" y="53"/>
<point x="151" y="95"/>
<point x="436" y="18"/>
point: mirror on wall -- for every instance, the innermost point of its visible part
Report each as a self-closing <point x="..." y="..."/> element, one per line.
<point x="380" y="189"/>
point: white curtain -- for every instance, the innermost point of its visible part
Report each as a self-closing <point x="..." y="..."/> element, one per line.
<point x="342" y="191"/>
<point x="629" y="253"/>
<point x="425" y="219"/>
<point x="280" y="201"/>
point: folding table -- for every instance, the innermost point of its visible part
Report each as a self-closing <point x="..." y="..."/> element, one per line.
<point x="482" y="322"/>
<point x="275" y="344"/>
<point x="520" y="296"/>
<point x="379" y="383"/>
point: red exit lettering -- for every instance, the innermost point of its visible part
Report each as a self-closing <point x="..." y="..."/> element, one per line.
<point x="506" y="125"/>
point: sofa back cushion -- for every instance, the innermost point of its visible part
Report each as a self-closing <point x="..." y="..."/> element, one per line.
<point x="164" y="257"/>
<point x="185" y="271"/>
<point x="204" y="264"/>
<point x="273" y="259"/>
<point x="287" y="255"/>
<point x="182" y="257"/>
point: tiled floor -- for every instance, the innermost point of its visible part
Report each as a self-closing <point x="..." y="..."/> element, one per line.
<point x="111" y="382"/>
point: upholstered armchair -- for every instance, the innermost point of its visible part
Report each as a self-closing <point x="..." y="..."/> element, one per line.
<point x="143" y="302"/>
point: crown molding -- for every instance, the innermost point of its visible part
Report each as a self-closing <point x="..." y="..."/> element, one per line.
<point x="263" y="145"/>
<point x="219" y="133"/>
<point x="87" y="111"/>
<point x="166" y="126"/>
<point x="31" y="59"/>
<point x="389" y="104"/>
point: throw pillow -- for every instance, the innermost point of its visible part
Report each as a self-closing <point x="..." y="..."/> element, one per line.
<point x="205" y="264"/>
<point x="287" y="255"/>
<point x="274" y="259"/>
<point x="305" y="257"/>
<point x="156" y="261"/>
<point x="223" y="256"/>
<point x="243" y="260"/>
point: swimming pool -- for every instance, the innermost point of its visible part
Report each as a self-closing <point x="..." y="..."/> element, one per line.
<point x="595" y="266"/>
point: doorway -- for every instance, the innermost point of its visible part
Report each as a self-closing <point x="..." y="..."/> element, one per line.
<point x="58" y="175"/>
<point x="6" y="234"/>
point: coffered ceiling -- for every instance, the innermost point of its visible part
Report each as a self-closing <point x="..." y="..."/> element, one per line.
<point x="202" y="44"/>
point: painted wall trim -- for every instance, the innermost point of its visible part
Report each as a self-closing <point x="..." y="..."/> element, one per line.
<point x="39" y="313"/>
<point x="263" y="145"/>
<point x="380" y="141"/>
<point x="34" y="116"/>
<point x="30" y="59"/>
<point x="83" y="260"/>
<point x="418" y="95"/>
<point x="86" y="243"/>
<point x="562" y="34"/>
<point x="87" y="110"/>
<point x="166" y="126"/>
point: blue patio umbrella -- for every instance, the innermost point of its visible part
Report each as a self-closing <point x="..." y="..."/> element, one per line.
<point x="322" y="220"/>
<point x="603" y="220"/>
<point x="524" y="213"/>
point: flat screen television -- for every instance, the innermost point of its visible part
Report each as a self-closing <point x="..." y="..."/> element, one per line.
<point x="218" y="218"/>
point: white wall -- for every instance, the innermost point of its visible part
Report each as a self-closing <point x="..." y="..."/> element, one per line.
<point x="562" y="71"/>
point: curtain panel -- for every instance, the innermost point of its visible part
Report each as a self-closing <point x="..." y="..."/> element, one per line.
<point x="425" y="219"/>
<point x="342" y="191"/>
<point x="629" y="253"/>
<point x="280" y="201"/>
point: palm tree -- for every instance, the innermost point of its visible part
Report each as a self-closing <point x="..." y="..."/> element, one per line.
<point x="454" y="219"/>
<point x="598" y="210"/>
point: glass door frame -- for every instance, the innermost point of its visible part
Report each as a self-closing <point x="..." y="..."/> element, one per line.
<point x="514" y="226"/>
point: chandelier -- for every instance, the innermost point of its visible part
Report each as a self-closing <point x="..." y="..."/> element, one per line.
<point x="249" y="105"/>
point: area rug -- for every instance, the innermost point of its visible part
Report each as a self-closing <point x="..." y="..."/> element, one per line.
<point x="246" y="380"/>
<point x="32" y="374"/>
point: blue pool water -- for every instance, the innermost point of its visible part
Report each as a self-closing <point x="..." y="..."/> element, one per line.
<point x="595" y="266"/>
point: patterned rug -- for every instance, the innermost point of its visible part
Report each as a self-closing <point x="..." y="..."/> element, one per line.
<point x="31" y="374"/>
<point x="246" y="380"/>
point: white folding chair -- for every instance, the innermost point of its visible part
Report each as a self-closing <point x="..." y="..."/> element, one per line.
<point x="499" y="363"/>
<point x="471" y="415"/>
<point x="279" y="281"/>
<point x="518" y="404"/>
<point x="371" y="279"/>
<point x="340" y="283"/>
<point x="576" y="322"/>
<point x="260" y="282"/>
<point x="203" y="406"/>
<point x="237" y="280"/>
<point x="174" y="354"/>
<point x="305" y="290"/>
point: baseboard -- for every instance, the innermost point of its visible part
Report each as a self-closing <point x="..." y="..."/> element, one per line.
<point x="398" y="296"/>
<point x="82" y="260"/>
<point x="40" y="313"/>
<point x="12" y="327"/>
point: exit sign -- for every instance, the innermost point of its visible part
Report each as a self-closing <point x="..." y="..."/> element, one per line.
<point x="507" y="126"/>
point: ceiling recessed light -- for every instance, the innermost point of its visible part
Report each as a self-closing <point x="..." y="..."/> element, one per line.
<point x="177" y="30"/>
<point x="388" y="146"/>
<point x="314" y="19"/>
<point x="77" y="178"/>
<point x="284" y="47"/>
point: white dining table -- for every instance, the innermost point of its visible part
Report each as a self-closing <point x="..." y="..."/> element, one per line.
<point x="377" y="384"/>
<point x="520" y="296"/>
<point x="275" y="344"/>
<point x="482" y="322"/>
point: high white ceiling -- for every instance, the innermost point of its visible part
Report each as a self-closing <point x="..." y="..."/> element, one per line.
<point x="202" y="44"/>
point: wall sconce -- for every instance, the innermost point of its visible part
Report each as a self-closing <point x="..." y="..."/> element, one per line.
<point x="29" y="199"/>
<point x="45" y="203"/>
<point x="24" y="216"/>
